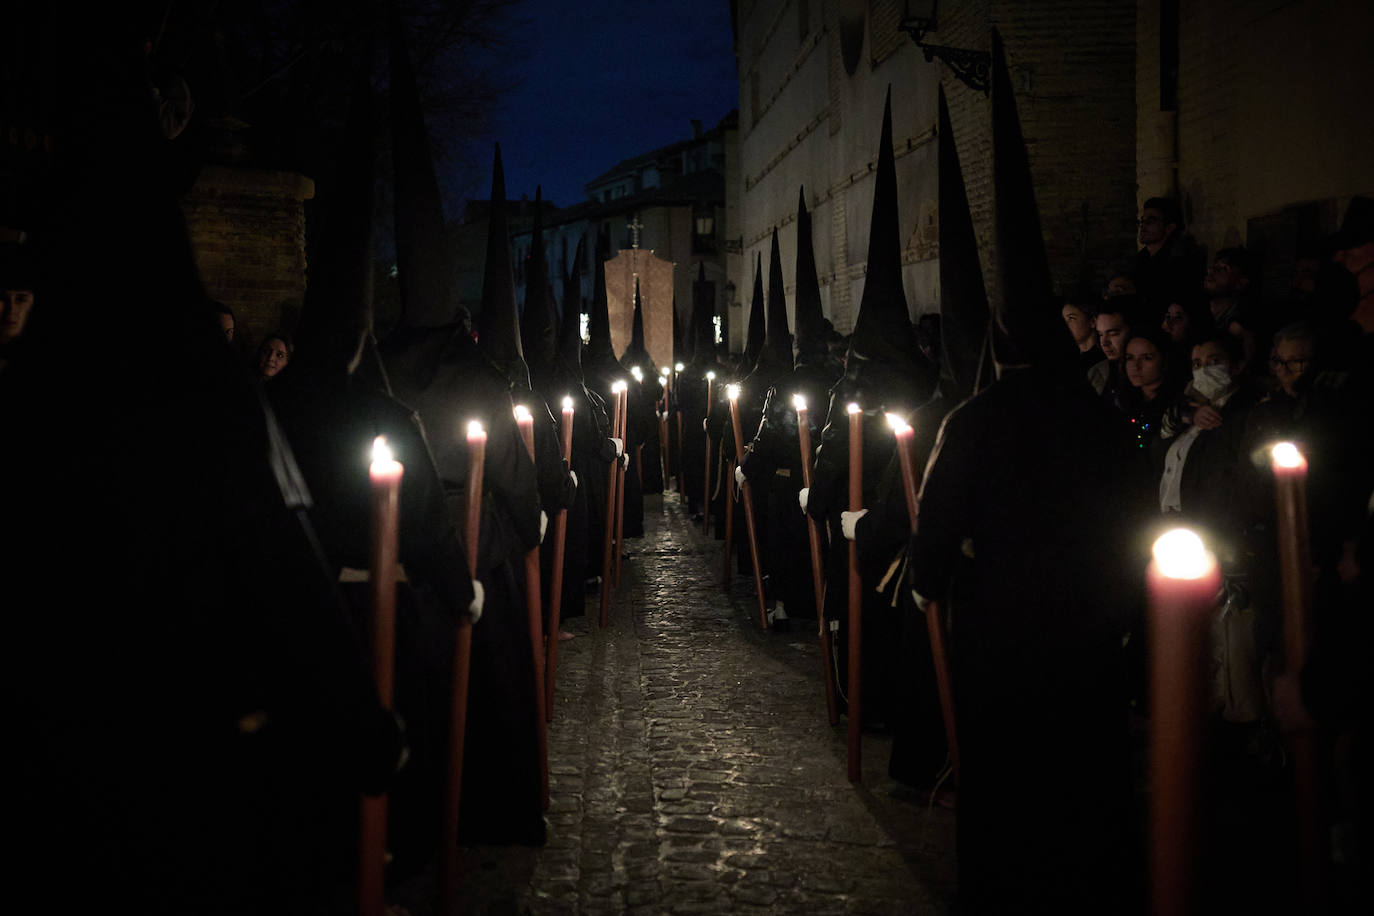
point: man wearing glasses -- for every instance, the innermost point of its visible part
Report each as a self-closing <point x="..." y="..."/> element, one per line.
<point x="1167" y="264"/>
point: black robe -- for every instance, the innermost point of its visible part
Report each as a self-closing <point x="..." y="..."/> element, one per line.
<point x="1039" y="587"/>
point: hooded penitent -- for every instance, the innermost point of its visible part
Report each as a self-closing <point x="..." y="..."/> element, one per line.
<point x="427" y="283"/>
<point x="570" y="329"/>
<point x="882" y="349"/>
<point x="599" y="359"/>
<point x="753" y="341"/>
<point x="538" y="336"/>
<point x="775" y="358"/>
<point x="963" y="299"/>
<point x="810" y="319"/>
<point x="498" y="326"/>
<point x="636" y="354"/>
<point x="1028" y="326"/>
<point x="703" y="315"/>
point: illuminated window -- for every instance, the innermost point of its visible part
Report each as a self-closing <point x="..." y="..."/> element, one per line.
<point x="586" y="323"/>
<point x="719" y="336"/>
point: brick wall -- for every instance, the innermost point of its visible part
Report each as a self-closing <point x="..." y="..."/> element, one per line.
<point x="247" y="228"/>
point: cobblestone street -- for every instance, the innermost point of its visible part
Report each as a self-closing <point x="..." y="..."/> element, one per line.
<point x="692" y="768"/>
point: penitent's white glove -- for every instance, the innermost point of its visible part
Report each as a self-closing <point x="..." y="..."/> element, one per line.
<point x="573" y="475"/>
<point x="802" y="496"/>
<point x="625" y="461"/>
<point x="849" y="521"/>
<point x="479" y="597"/>
<point x="619" y="446"/>
<point x="703" y="426"/>
<point x="739" y="475"/>
<point x="543" y="524"/>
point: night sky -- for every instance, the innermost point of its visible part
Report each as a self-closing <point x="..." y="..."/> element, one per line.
<point x="604" y="81"/>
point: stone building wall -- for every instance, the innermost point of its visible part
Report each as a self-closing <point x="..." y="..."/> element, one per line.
<point x="247" y="228"/>
<point x="816" y="124"/>
<point x="1270" y="121"/>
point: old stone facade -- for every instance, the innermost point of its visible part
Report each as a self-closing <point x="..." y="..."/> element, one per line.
<point x="813" y="76"/>
<point x="247" y="228"/>
<point x="1246" y="110"/>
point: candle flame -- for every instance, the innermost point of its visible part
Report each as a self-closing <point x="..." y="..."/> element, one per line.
<point x="679" y="367"/>
<point x="662" y="382"/>
<point x="1287" y="455"/>
<point x="664" y="371"/>
<point x="854" y="408"/>
<point x="619" y="386"/>
<point x="639" y="376"/>
<point x="710" y="376"/>
<point x="799" y="401"/>
<point x="732" y="391"/>
<point x="475" y="430"/>
<point x="381" y="452"/>
<point x="1180" y="554"/>
<point x="897" y="423"/>
<point x="567" y="402"/>
<point x="522" y="413"/>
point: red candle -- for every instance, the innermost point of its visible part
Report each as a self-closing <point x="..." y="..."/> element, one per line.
<point x="856" y="498"/>
<point x="560" y="535"/>
<point x="620" y="477"/>
<point x="1183" y="583"/>
<point x="750" y="523"/>
<point x="617" y="392"/>
<point x="813" y="532"/>
<point x="1295" y="566"/>
<point x="706" y="478"/>
<point x="462" y="660"/>
<point x="385" y="474"/>
<point x="534" y="611"/>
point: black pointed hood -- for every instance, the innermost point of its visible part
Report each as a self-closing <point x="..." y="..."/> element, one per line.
<point x="1029" y="326"/>
<point x="753" y="341"/>
<point x="427" y="283"/>
<point x="810" y="319"/>
<point x="538" y="335"/>
<point x="637" y="354"/>
<point x="963" y="298"/>
<point x="777" y="346"/>
<point x="570" y="331"/>
<point x="703" y="315"/>
<point x="498" y="326"/>
<point x="883" y="332"/>
<point x="600" y="356"/>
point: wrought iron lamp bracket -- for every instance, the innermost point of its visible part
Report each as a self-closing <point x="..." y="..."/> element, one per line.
<point x="970" y="67"/>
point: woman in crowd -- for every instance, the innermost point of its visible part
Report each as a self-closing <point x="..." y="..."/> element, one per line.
<point x="273" y="355"/>
<point x="1154" y="384"/>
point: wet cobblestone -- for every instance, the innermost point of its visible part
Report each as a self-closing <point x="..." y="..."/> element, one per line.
<point x="692" y="769"/>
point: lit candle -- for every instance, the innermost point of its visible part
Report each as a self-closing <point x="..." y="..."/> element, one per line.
<point x="750" y="523"/>
<point x="567" y="427"/>
<point x="560" y="536"/>
<point x="385" y="474"/>
<point x="813" y="533"/>
<point x="1183" y="582"/>
<point x="904" y="435"/>
<point x="855" y="693"/>
<point x="706" y="476"/>
<point x="1295" y="567"/>
<point x="639" y="375"/>
<point x="534" y="612"/>
<point x="612" y="479"/>
<point x="477" y="447"/>
<point x="620" y="485"/>
<point x="524" y="420"/>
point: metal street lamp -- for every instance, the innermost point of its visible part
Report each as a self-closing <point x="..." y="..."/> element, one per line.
<point x="970" y="67"/>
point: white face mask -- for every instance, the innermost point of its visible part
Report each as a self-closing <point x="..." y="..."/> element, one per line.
<point x="1212" y="381"/>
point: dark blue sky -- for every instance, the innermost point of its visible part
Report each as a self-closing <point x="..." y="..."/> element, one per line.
<point x="605" y="80"/>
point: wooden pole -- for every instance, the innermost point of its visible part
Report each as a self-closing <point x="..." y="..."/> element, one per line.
<point x="534" y="611"/>
<point x="620" y="488"/>
<point x="856" y="498"/>
<point x="560" y="536"/>
<point x="462" y="663"/>
<point x="750" y="524"/>
<point x="612" y="477"/>
<point x="385" y="475"/>
<point x="729" y="483"/>
<point x="1295" y="566"/>
<point x="934" y="623"/>
<point x="706" y="486"/>
<point x="1183" y="582"/>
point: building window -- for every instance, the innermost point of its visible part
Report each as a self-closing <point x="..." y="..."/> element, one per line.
<point x="719" y="329"/>
<point x="704" y="230"/>
<point x="585" y="322"/>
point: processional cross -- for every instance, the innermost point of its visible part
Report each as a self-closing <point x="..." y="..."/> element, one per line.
<point x="634" y="226"/>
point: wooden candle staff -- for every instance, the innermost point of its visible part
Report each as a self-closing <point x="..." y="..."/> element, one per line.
<point x="385" y="474"/>
<point x="729" y="481"/>
<point x="750" y="525"/>
<point x="855" y="692"/>
<point x="462" y="662"/>
<point x="934" y="625"/>
<point x="706" y="486"/>
<point x="534" y="610"/>
<point x="612" y="475"/>
<point x="620" y="483"/>
<point x="665" y="374"/>
<point x="1183" y="582"/>
<point x="676" y="416"/>
<point x="560" y="535"/>
<point x="1295" y="566"/>
<point x="813" y="532"/>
